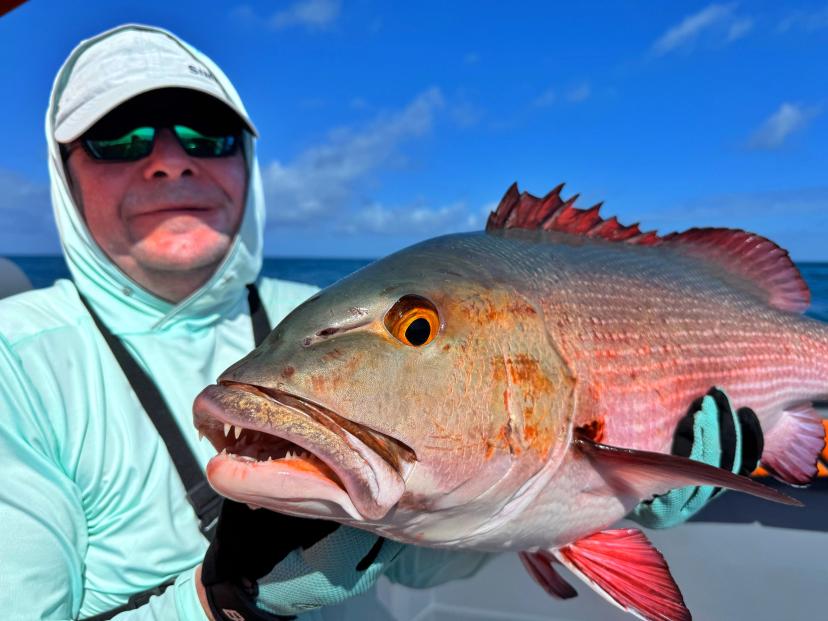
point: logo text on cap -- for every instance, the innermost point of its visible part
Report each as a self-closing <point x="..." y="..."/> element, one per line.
<point x="204" y="73"/>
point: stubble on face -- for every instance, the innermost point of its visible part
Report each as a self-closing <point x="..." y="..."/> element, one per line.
<point x="168" y="220"/>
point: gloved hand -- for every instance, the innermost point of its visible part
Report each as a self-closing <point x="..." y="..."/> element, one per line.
<point x="713" y="433"/>
<point x="265" y="565"/>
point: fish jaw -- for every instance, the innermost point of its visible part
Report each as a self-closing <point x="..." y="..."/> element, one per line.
<point x="336" y="474"/>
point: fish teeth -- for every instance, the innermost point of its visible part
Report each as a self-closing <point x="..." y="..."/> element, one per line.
<point x="200" y="436"/>
<point x="237" y="431"/>
<point x="227" y="429"/>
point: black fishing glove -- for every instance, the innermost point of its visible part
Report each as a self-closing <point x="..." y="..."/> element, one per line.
<point x="713" y="433"/>
<point x="248" y="545"/>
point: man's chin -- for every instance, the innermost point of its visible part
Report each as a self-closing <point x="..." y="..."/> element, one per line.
<point x="181" y="253"/>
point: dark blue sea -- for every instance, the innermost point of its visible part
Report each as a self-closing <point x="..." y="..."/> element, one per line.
<point x="43" y="271"/>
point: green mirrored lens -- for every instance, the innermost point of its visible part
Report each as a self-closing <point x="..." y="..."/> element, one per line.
<point x="199" y="145"/>
<point x="131" y="146"/>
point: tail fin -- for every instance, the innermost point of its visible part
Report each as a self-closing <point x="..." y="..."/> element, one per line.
<point x="793" y="446"/>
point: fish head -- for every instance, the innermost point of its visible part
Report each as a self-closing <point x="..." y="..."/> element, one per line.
<point x="420" y="387"/>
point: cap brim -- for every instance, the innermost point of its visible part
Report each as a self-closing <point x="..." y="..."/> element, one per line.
<point x="96" y="108"/>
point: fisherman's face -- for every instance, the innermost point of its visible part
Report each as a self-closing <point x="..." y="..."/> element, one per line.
<point x="166" y="216"/>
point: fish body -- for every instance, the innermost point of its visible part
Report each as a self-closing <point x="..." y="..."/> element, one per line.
<point x="469" y="391"/>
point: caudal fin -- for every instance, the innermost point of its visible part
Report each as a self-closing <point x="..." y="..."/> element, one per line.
<point x="793" y="446"/>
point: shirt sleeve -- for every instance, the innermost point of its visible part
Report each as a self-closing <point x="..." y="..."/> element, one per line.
<point x="178" y="603"/>
<point x="423" y="568"/>
<point x="43" y="528"/>
<point x="42" y="525"/>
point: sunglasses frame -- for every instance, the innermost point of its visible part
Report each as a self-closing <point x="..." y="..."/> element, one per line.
<point x="89" y="147"/>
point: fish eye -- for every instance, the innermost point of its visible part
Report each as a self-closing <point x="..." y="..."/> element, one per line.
<point x="413" y="320"/>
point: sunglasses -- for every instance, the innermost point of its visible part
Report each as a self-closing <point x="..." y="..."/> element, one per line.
<point x="138" y="143"/>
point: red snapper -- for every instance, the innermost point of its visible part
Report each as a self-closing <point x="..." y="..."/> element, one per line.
<point x="518" y="389"/>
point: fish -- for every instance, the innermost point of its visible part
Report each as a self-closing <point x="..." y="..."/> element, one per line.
<point x="518" y="388"/>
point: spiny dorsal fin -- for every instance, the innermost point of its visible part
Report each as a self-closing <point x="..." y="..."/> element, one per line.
<point x="521" y="210"/>
<point x="747" y="255"/>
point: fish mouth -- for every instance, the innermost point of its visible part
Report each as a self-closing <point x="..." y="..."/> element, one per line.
<point x="287" y="453"/>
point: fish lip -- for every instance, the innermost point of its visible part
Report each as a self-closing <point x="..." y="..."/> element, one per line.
<point x="374" y="478"/>
<point x="393" y="451"/>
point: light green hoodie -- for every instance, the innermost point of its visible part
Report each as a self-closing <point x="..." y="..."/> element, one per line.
<point x="91" y="507"/>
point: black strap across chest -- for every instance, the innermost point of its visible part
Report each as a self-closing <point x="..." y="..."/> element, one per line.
<point x="201" y="496"/>
<point x="205" y="502"/>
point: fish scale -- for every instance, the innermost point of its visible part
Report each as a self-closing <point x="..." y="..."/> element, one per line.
<point x="693" y="339"/>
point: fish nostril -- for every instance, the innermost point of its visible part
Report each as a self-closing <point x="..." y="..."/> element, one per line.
<point x="321" y="335"/>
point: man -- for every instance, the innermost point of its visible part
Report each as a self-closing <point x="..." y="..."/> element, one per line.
<point x="159" y="205"/>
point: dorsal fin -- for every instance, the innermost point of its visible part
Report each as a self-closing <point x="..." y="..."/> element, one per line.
<point x="747" y="255"/>
<point x="521" y="210"/>
<point x="752" y="257"/>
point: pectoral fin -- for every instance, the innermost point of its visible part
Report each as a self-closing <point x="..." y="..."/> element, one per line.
<point x="625" y="569"/>
<point x="644" y="474"/>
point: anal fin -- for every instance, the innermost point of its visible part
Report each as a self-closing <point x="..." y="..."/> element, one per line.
<point x="793" y="446"/>
<point x="624" y="568"/>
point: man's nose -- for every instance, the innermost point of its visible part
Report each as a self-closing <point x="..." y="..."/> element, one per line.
<point x="168" y="159"/>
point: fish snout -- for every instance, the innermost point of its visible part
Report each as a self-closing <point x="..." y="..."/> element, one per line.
<point x="287" y="454"/>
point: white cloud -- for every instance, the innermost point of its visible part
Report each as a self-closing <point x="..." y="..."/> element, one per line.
<point x="546" y="98"/>
<point x="310" y="14"/>
<point x="574" y="94"/>
<point x="324" y="179"/>
<point x="464" y="113"/>
<point x="716" y="18"/>
<point x="313" y="14"/>
<point x="243" y="12"/>
<point x="788" y="119"/>
<point x="804" y="20"/>
<point x="359" y="103"/>
<point x="794" y="218"/>
<point x="417" y="220"/>
<point x="739" y="28"/>
<point x="579" y="93"/>
<point x="479" y="219"/>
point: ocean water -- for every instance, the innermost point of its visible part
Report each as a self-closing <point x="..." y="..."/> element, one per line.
<point x="44" y="270"/>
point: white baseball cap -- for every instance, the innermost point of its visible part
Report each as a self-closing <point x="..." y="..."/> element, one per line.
<point x="128" y="62"/>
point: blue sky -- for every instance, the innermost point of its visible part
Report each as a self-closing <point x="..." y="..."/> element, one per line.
<point x="385" y="123"/>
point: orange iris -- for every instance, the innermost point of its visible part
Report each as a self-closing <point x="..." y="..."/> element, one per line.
<point x="413" y="320"/>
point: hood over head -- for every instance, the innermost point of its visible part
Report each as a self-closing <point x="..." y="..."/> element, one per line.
<point x="100" y="74"/>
